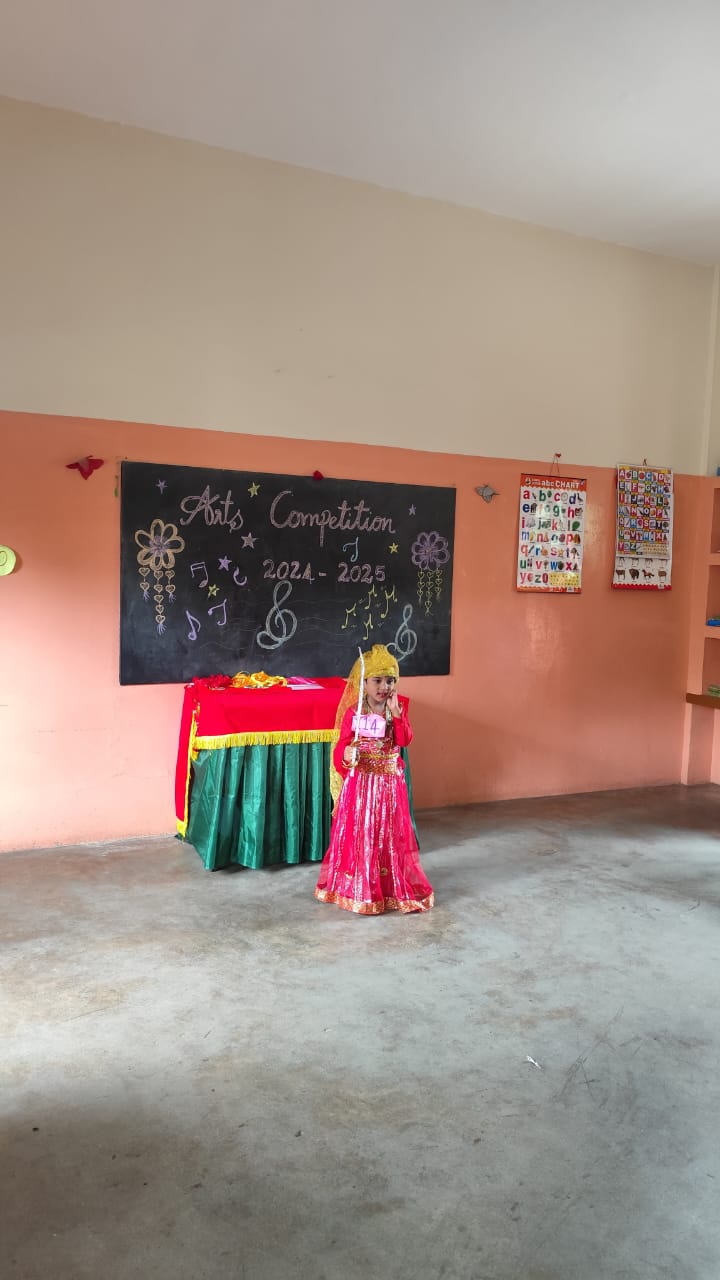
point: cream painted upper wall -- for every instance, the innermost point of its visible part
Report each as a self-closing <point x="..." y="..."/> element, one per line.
<point x="152" y="279"/>
<point x="713" y="392"/>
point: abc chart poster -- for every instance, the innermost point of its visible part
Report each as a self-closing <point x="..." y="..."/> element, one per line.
<point x="551" y="529"/>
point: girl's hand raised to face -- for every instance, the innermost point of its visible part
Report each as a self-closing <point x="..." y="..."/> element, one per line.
<point x="393" y="705"/>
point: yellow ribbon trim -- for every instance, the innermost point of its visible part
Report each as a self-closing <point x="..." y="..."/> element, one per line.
<point x="276" y="738"/>
<point x="182" y="823"/>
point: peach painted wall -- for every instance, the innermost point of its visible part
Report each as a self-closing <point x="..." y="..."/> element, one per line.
<point x="547" y="694"/>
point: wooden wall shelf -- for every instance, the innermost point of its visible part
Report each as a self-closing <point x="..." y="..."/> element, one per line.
<point x="704" y="700"/>
<point x="701" y="753"/>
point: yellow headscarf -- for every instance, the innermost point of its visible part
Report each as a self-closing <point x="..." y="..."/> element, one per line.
<point x="378" y="661"/>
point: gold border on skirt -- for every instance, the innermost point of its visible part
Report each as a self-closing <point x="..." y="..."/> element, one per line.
<point x="405" y="905"/>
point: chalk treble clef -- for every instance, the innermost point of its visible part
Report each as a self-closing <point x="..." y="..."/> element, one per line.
<point x="405" y="641"/>
<point x="283" y="620"/>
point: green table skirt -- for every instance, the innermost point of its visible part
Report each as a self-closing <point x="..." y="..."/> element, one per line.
<point x="255" y="806"/>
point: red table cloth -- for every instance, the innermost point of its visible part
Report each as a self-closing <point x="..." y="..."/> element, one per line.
<point x="214" y="717"/>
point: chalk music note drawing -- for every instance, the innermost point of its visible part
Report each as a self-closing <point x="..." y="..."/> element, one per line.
<point x="201" y="567"/>
<point x="224" y="612"/>
<point x="390" y="597"/>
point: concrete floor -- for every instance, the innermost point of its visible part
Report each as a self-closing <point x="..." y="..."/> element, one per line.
<point x="214" y="1077"/>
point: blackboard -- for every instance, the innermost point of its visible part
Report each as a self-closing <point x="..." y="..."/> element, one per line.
<point x="226" y="571"/>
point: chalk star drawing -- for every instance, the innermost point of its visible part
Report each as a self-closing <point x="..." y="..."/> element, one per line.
<point x="254" y="490"/>
<point x="162" y="485"/>
<point x="249" y="540"/>
<point x="393" y="548"/>
<point x="411" y="511"/>
<point x="212" y="591"/>
<point x="224" y="562"/>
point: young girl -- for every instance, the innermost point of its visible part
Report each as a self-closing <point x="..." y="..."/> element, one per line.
<point x="372" y="863"/>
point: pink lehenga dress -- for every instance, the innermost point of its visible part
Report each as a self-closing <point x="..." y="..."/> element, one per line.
<point x="372" y="863"/>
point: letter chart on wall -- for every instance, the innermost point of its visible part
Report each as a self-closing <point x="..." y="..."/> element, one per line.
<point x="551" y="526"/>
<point x="643" y="542"/>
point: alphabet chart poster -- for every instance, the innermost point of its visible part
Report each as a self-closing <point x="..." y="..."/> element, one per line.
<point x="643" y="544"/>
<point x="552" y="520"/>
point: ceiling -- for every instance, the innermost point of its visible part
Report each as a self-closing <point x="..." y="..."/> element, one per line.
<point x="598" y="117"/>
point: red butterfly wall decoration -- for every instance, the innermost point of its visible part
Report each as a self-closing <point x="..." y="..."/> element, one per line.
<point x="85" y="466"/>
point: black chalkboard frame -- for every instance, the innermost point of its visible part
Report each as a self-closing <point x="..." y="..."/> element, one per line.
<point x="224" y="570"/>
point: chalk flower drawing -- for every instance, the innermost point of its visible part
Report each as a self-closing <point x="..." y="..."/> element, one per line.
<point x="158" y="547"/>
<point x="429" y="552"/>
